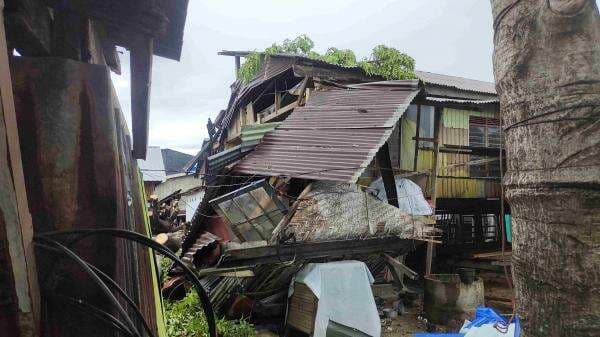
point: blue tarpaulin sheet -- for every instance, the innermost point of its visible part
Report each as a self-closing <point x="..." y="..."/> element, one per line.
<point x="486" y="324"/>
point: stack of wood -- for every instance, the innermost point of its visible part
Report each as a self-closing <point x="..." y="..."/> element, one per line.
<point x="167" y="221"/>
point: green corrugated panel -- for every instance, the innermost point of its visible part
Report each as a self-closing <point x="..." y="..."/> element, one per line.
<point x="256" y="132"/>
<point x="455" y="118"/>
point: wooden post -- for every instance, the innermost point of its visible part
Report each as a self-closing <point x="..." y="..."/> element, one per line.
<point x="434" y="175"/>
<point x="19" y="235"/>
<point x="387" y="174"/>
<point x="417" y="138"/>
<point x="237" y="67"/>
<point x="302" y="91"/>
<point x="141" y="74"/>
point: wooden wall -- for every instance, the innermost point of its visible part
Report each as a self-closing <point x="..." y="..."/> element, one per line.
<point x="454" y="179"/>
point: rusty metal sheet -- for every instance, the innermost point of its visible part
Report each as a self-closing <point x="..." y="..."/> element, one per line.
<point x="456" y="82"/>
<point x="280" y="64"/>
<point x="335" y="136"/>
<point x="204" y="242"/>
<point x="80" y="174"/>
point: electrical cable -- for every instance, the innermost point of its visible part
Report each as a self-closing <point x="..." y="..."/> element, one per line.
<point x="125" y="296"/>
<point x="145" y="241"/>
<point x="69" y="253"/>
<point x="95" y="312"/>
<point x="118" y="289"/>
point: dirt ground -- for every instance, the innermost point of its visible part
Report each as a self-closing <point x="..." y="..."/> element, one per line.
<point x="404" y="325"/>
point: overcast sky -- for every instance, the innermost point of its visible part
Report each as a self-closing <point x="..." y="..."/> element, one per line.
<point x="452" y="37"/>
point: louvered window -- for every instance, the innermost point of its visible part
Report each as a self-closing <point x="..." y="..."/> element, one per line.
<point x="484" y="132"/>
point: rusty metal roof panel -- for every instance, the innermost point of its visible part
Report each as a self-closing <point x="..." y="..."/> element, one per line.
<point x="205" y="240"/>
<point x="456" y="82"/>
<point x="334" y="136"/>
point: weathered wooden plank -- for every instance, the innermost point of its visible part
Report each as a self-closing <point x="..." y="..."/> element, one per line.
<point x="306" y="251"/>
<point x="418" y="127"/>
<point x="141" y="73"/>
<point x="18" y="231"/>
<point x="434" y="177"/>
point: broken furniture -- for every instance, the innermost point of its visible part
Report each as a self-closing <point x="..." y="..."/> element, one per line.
<point x="333" y="299"/>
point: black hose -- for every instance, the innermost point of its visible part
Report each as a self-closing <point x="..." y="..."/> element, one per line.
<point x="95" y="312"/>
<point x="69" y="253"/>
<point x="126" y="297"/>
<point x="143" y="240"/>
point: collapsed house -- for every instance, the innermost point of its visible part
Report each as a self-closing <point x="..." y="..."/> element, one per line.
<point x="314" y="162"/>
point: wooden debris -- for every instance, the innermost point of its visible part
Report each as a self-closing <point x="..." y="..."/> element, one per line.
<point x="171" y="240"/>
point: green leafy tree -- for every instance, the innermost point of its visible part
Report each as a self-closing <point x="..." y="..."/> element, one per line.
<point x="342" y="57"/>
<point x="389" y="63"/>
<point x="386" y="62"/>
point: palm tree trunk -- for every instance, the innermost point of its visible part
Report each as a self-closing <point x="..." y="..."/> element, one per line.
<point x="547" y="69"/>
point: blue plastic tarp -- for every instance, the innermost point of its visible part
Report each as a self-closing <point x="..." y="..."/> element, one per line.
<point x="487" y="323"/>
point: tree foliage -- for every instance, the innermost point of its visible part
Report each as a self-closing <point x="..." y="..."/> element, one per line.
<point x="384" y="61"/>
<point x="389" y="63"/>
<point x="342" y="57"/>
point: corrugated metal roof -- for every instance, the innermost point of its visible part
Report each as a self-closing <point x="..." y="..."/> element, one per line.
<point x="251" y="135"/>
<point x="462" y="101"/>
<point x="205" y="240"/>
<point x="334" y="136"/>
<point x="153" y="168"/>
<point x="219" y="160"/>
<point x="457" y="82"/>
<point x="277" y="65"/>
<point x="299" y="57"/>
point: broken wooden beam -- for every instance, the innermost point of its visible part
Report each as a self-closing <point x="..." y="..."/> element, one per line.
<point x="141" y="74"/>
<point x="286" y="219"/>
<point x="313" y="250"/>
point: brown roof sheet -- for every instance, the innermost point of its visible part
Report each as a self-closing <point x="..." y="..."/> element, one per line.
<point x="456" y="82"/>
<point x="334" y="136"/>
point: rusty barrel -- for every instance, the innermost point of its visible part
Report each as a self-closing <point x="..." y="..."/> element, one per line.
<point x="447" y="298"/>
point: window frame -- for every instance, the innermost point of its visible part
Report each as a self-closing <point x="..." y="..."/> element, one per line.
<point x="253" y="222"/>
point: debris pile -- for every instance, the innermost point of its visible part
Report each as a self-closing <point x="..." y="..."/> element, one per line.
<point x="167" y="221"/>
